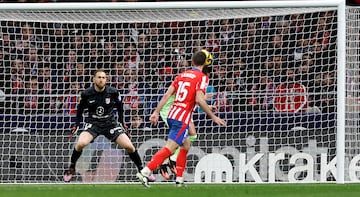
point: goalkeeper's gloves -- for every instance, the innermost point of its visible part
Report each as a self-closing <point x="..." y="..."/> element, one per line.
<point x="74" y="128"/>
<point x="124" y="127"/>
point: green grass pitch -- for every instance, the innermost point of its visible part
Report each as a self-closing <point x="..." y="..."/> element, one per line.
<point x="192" y="190"/>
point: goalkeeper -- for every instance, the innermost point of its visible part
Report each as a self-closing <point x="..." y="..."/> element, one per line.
<point x="100" y="100"/>
<point x="171" y="161"/>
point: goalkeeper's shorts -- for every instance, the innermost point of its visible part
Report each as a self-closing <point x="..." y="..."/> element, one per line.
<point x="111" y="131"/>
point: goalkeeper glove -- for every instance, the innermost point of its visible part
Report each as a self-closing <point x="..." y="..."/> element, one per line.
<point x="74" y="129"/>
<point x="124" y="127"/>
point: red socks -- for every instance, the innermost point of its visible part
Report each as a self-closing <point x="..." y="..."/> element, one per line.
<point x="181" y="162"/>
<point x="164" y="153"/>
<point x="159" y="158"/>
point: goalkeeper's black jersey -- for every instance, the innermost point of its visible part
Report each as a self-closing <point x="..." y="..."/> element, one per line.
<point x="100" y="105"/>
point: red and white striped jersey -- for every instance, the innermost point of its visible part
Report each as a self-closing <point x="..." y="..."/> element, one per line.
<point x="186" y="85"/>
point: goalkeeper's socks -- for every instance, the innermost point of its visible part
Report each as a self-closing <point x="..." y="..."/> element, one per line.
<point x="135" y="157"/>
<point x="181" y="162"/>
<point x="74" y="157"/>
<point x="158" y="158"/>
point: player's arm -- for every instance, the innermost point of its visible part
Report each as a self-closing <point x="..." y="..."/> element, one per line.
<point x="80" y="109"/>
<point x="155" y="115"/>
<point x="120" y="108"/>
<point x="170" y="91"/>
<point x="200" y="100"/>
<point x="79" y="114"/>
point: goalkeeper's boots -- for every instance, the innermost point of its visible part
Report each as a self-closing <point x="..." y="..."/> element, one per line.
<point x="68" y="174"/>
<point x="164" y="171"/>
<point x="151" y="178"/>
<point x="143" y="179"/>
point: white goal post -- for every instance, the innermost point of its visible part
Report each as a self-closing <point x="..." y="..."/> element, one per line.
<point x="278" y="78"/>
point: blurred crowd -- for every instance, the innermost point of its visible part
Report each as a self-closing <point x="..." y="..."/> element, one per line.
<point x="263" y="64"/>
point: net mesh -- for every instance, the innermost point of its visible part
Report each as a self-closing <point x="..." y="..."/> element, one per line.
<point x="273" y="79"/>
<point x="352" y="87"/>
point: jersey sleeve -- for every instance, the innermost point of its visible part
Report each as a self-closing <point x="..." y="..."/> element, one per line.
<point x="175" y="83"/>
<point x="119" y="106"/>
<point x="202" y="84"/>
<point x="81" y="106"/>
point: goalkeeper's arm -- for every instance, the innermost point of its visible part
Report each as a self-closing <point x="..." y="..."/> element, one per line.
<point x="120" y="108"/>
<point x="79" y="114"/>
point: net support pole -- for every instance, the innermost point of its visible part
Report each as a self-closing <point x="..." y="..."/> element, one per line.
<point x="341" y="93"/>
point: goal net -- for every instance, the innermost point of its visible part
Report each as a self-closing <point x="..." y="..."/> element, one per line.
<point x="273" y="79"/>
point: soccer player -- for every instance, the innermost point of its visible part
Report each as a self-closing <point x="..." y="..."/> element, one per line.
<point x="100" y="100"/>
<point x="171" y="162"/>
<point x="189" y="89"/>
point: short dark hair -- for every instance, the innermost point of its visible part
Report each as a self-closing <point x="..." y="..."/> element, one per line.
<point x="199" y="58"/>
<point x="99" y="70"/>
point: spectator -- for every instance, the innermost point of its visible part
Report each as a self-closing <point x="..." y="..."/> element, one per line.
<point x="137" y="122"/>
<point x="212" y="43"/>
<point x="143" y="44"/>
<point x="131" y="57"/>
<point x="45" y="52"/>
<point x="227" y="33"/>
<point x="9" y="46"/>
<point x="109" y="54"/>
<point x="183" y="66"/>
<point x="322" y="34"/>
<point x="177" y="50"/>
<point x="291" y="95"/>
<point x="325" y="98"/>
<point x="302" y="47"/>
<point x="305" y="74"/>
<point x="36" y="100"/>
<point x="248" y="51"/>
<point x="118" y="78"/>
<point x="220" y="78"/>
<point x="261" y="97"/>
<point x="66" y="70"/>
<point x="89" y="40"/>
<point x="81" y="76"/>
<point x="131" y="99"/>
<point x="70" y="101"/>
<point x="279" y="66"/>
<point x="32" y="60"/>
<point x="233" y="93"/>
<point x="17" y="77"/>
<point x="94" y="60"/>
<point x="121" y="39"/>
<point x="27" y="34"/>
<point x="47" y="82"/>
<point x="77" y="43"/>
